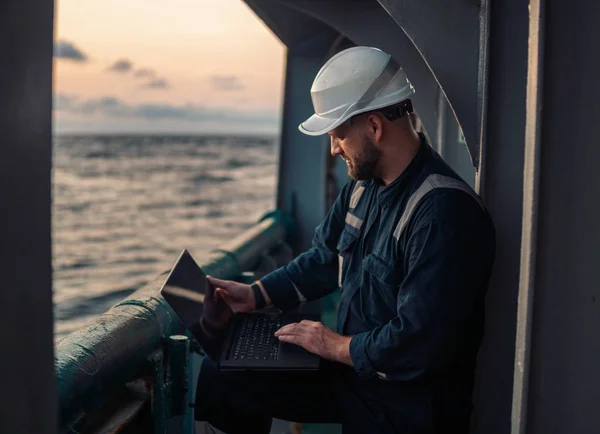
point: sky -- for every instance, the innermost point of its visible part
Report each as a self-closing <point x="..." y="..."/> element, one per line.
<point x="165" y="66"/>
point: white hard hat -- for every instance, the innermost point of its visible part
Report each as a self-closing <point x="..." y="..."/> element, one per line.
<point x="354" y="81"/>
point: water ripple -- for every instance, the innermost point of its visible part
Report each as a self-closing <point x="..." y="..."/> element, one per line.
<point x="124" y="207"/>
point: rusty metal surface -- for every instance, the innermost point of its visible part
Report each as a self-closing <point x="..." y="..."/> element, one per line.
<point x="119" y="415"/>
<point x="97" y="358"/>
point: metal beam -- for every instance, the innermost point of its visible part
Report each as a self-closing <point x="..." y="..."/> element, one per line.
<point x="356" y="21"/>
<point x="501" y="185"/>
<point x="28" y="403"/>
<point x="303" y="159"/>
<point x="530" y="215"/>
<point x="564" y="385"/>
<point x="451" y="35"/>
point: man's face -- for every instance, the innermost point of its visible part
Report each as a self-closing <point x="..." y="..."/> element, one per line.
<point x="358" y="150"/>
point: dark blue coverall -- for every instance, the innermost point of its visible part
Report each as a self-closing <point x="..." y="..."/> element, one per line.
<point x="412" y="261"/>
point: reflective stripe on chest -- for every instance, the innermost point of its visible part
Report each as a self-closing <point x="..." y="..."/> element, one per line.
<point x="353" y="220"/>
<point x="431" y="182"/>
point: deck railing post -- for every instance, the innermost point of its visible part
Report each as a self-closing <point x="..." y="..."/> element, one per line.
<point x="159" y="398"/>
<point x="178" y="355"/>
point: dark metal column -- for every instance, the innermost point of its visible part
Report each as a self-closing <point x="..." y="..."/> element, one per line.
<point x="502" y="189"/>
<point x="531" y="178"/>
<point x="28" y="403"/>
<point x="303" y="159"/>
<point x="564" y="380"/>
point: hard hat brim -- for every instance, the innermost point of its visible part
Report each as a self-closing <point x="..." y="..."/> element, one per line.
<point x="317" y="125"/>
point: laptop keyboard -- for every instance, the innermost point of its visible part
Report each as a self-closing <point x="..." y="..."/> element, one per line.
<point x="256" y="340"/>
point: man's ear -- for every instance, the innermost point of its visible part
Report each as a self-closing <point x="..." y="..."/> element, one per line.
<point x="375" y="127"/>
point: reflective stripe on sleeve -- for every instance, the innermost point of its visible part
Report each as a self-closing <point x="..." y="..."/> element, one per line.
<point x="432" y="182"/>
<point x="301" y="296"/>
<point x="353" y="221"/>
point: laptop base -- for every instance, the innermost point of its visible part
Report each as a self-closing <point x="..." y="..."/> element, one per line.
<point x="290" y="357"/>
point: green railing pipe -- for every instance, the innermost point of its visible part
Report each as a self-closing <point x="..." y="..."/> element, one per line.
<point x="102" y="356"/>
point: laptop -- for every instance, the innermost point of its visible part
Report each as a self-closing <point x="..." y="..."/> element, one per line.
<point x="249" y="342"/>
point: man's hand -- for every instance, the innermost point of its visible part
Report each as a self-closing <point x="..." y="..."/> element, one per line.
<point x="316" y="338"/>
<point x="216" y="313"/>
<point x="237" y="295"/>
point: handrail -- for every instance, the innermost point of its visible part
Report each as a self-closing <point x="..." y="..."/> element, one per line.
<point x="112" y="350"/>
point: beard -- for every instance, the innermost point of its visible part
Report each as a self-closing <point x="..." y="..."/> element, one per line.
<point x="363" y="165"/>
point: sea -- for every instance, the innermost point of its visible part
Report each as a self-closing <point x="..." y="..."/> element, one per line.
<point x="125" y="206"/>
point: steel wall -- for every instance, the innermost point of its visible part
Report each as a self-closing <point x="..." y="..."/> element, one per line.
<point x="28" y="403"/>
<point x="502" y="188"/>
<point x="564" y="384"/>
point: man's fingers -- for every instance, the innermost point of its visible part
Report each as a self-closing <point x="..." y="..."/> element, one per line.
<point x="216" y="289"/>
<point x="220" y="283"/>
<point x="297" y="328"/>
<point x="299" y="340"/>
<point x="225" y="296"/>
<point x="220" y="292"/>
<point x="308" y="322"/>
<point x="233" y="304"/>
<point x="287" y="329"/>
<point x="291" y="339"/>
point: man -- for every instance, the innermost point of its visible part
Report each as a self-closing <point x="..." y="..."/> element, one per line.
<point x="409" y="245"/>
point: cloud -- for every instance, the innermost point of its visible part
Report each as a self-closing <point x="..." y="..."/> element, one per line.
<point x="226" y="83"/>
<point x="112" y="107"/>
<point x="66" y="50"/>
<point x="121" y="65"/>
<point x="144" y="73"/>
<point x="157" y="83"/>
<point x="64" y="102"/>
<point x="107" y="105"/>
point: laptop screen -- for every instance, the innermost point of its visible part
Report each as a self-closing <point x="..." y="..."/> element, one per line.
<point x="185" y="289"/>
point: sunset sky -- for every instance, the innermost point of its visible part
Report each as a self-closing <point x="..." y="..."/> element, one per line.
<point x="179" y="66"/>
